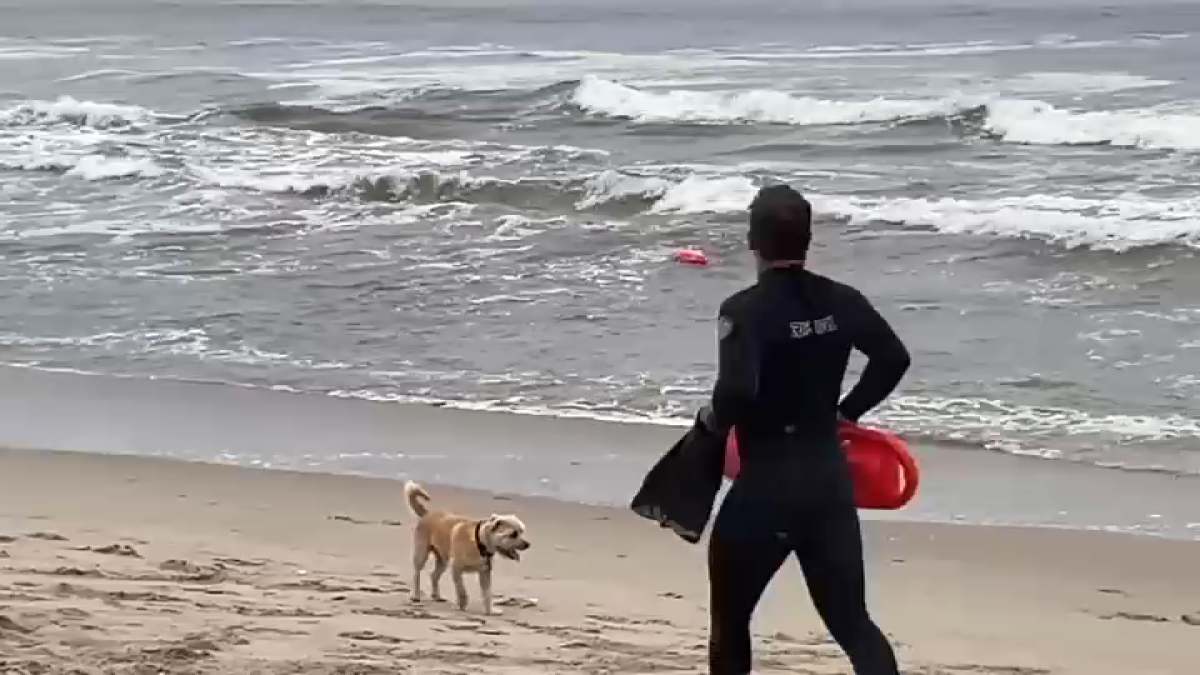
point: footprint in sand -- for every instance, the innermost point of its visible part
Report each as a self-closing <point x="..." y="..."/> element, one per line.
<point x="46" y="536"/>
<point x="471" y="627"/>
<point x="9" y="625"/>
<point x="188" y="650"/>
<point x="73" y="572"/>
<point x="403" y="613"/>
<point x="288" y="612"/>
<point x="349" y="519"/>
<point x="238" y="562"/>
<point x="372" y="636"/>
<point x="123" y="550"/>
<point x="1133" y="616"/>
<point x="358" y="521"/>
<point x="333" y="586"/>
<point x="520" y="603"/>
<point x="188" y="571"/>
<point x="73" y="613"/>
<point x="113" y="597"/>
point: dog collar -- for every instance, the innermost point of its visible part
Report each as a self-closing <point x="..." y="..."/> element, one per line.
<point x="487" y="555"/>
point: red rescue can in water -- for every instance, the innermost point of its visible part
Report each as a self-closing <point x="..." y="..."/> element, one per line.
<point x="691" y="256"/>
<point x="885" y="473"/>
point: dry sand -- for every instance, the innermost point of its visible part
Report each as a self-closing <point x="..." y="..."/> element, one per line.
<point x="132" y="565"/>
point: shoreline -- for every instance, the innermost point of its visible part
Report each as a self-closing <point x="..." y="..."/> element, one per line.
<point x="593" y="415"/>
<point x="600" y="511"/>
<point x="568" y="458"/>
<point x="187" y="567"/>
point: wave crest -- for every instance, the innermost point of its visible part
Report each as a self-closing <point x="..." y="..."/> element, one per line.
<point x="72" y="111"/>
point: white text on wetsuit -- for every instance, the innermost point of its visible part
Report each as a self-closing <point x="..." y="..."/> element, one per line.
<point x="802" y="329"/>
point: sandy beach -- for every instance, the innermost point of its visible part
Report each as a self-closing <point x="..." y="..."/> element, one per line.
<point x="137" y="565"/>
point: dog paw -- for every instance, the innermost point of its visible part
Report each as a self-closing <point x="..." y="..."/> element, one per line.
<point x="493" y="612"/>
<point x="415" y="599"/>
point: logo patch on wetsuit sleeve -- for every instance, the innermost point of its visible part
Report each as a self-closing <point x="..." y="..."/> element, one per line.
<point x="724" y="327"/>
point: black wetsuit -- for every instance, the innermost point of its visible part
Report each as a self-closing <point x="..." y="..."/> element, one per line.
<point x="784" y="347"/>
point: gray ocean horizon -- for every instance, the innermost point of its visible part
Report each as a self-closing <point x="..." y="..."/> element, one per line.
<point x="477" y="203"/>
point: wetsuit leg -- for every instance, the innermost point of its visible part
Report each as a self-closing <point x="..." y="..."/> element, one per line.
<point x="739" y="569"/>
<point x="830" y="551"/>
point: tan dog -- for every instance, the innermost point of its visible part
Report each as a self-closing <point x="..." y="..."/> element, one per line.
<point x="461" y="544"/>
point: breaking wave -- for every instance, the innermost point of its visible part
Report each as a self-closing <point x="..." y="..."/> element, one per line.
<point x="1021" y="121"/>
<point x="433" y="113"/>
<point x="91" y="140"/>
<point x="1100" y="224"/>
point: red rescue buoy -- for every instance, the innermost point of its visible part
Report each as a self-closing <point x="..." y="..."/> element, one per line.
<point x="691" y="256"/>
<point x="885" y="473"/>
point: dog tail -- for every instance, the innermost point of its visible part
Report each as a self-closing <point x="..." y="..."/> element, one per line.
<point x="416" y="496"/>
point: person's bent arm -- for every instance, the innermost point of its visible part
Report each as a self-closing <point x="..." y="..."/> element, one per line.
<point x="887" y="359"/>
<point x="736" y="375"/>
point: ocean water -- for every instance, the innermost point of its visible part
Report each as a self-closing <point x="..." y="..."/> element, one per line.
<point x="477" y="202"/>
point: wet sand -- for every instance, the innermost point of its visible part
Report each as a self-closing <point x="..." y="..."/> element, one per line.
<point x="575" y="460"/>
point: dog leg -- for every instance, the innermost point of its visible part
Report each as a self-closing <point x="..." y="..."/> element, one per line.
<point x="420" y="556"/>
<point x="485" y="591"/>
<point x="435" y="577"/>
<point x="460" y="588"/>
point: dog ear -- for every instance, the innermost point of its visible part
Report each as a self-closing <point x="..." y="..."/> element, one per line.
<point x="489" y="525"/>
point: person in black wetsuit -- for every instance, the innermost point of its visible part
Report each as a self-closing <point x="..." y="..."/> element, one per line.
<point x="784" y="347"/>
